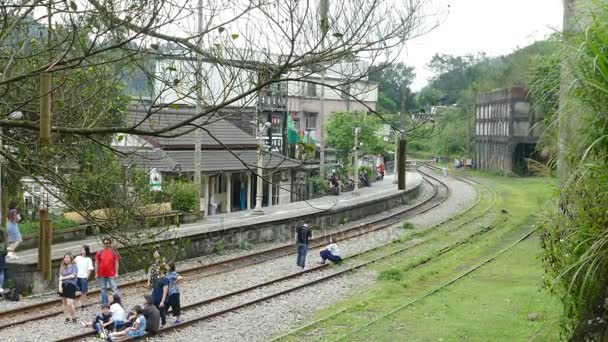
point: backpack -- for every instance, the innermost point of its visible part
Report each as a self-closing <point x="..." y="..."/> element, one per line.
<point x="12" y="295"/>
<point x="114" y="254"/>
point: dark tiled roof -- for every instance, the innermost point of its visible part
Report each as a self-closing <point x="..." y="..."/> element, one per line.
<point x="147" y="159"/>
<point x="223" y="160"/>
<point x="221" y="129"/>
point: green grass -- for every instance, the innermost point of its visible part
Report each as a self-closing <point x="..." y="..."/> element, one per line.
<point x="31" y="228"/>
<point x="492" y="304"/>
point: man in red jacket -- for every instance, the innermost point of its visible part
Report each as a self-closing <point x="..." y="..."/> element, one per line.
<point x="106" y="269"/>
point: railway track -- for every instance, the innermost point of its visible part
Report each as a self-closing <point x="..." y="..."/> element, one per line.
<point x="493" y="200"/>
<point x="234" y="296"/>
<point x="49" y="308"/>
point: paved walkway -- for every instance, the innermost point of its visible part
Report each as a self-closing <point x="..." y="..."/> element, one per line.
<point x="219" y="222"/>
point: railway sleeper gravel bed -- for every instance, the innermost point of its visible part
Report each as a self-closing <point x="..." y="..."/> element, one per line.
<point x="55" y="312"/>
<point x="218" y="265"/>
<point x="220" y="305"/>
<point x="262" y="292"/>
<point x="211" y="317"/>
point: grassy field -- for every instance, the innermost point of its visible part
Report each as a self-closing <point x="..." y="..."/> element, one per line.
<point x="491" y="304"/>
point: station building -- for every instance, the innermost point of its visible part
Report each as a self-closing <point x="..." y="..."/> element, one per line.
<point x="506" y="130"/>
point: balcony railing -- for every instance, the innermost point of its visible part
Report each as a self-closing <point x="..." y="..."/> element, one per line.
<point x="272" y="102"/>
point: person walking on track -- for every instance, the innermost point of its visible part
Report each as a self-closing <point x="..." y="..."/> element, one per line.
<point x="12" y="227"/>
<point x="303" y="234"/>
<point x="106" y="269"/>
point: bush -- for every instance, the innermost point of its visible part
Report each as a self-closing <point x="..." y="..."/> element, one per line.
<point x="29" y="228"/>
<point x="319" y="185"/>
<point x="407" y="225"/>
<point x="392" y="274"/>
<point x="183" y="195"/>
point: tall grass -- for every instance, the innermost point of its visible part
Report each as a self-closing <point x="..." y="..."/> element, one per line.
<point x="575" y="239"/>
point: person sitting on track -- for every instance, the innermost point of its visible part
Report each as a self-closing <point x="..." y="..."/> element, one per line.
<point x="331" y="253"/>
<point x="118" y="313"/>
<point x="152" y="315"/>
<point x="138" y="328"/>
<point x="101" y="322"/>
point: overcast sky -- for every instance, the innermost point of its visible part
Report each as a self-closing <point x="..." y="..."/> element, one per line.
<point x="496" y="27"/>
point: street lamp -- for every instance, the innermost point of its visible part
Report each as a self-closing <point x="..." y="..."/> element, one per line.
<point x="261" y="130"/>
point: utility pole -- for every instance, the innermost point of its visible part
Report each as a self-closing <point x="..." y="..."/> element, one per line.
<point x="402" y="145"/>
<point x="468" y="134"/>
<point x="356" y="190"/>
<point x="198" y="138"/>
<point x="324" y="9"/>
<point x="45" y="235"/>
<point x="45" y="229"/>
<point x="395" y="170"/>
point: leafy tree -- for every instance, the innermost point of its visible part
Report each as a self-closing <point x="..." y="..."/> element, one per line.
<point x="393" y="85"/>
<point x="342" y="137"/>
<point x="93" y="47"/>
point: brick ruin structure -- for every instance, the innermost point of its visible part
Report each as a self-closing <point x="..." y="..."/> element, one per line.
<point x="505" y="131"/>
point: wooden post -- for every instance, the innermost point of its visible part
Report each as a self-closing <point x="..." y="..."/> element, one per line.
<point x="45" y="231"/>
<point x="401" y="164"/>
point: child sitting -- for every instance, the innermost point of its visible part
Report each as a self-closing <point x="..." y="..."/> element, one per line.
<point x="102" y="321"/>
<point x="138" y="328"/>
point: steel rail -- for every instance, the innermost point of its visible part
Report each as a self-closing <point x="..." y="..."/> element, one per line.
<point x="494" y="197"/>
<point x="249" y="259"/>
<point x="278" y="280"/>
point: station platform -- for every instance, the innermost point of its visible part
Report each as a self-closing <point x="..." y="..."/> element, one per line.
<point x="278" y="213"/>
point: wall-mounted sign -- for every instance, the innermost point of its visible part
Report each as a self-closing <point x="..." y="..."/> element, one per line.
<point x="156" y="180"/>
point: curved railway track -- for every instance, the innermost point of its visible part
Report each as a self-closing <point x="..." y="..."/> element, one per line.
<point x="439" y="194"/>
<point x="427" y="205"/>
<point x="240" y="304"/>
<point x="493" y="200"/>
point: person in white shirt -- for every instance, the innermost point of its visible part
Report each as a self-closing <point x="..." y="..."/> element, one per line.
<point x="331" y="253"/>
<point x="85" y="266"/>
<point x="118" y="313"/>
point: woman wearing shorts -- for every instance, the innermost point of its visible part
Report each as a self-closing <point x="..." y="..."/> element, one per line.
<point x="85" y="266"/>
<point x="67" y="287"/>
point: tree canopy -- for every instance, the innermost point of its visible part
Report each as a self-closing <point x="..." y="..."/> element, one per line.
<point x="394" y="81"/>
<point x="458" y="80"/>
<point x="342" y="138"/>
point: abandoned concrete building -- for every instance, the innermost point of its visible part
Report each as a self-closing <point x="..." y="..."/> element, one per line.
<point x="505" y="131"/>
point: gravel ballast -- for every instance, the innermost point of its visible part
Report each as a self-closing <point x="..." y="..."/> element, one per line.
<point x="274" y="316"/>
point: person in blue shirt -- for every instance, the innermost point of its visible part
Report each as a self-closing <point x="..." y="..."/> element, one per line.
<point x="159" y="295"/>
<point x="173" y="301"/>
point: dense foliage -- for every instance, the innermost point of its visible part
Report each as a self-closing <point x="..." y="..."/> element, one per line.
<point x="182" y="194"/>
<point x="454" y="88"/>
<point x="394" y="93"/>
<point x="341" y="129"/>
<point x="575" y="239"/>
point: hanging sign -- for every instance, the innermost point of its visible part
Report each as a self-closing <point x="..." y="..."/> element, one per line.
<point x="155" y="180"/>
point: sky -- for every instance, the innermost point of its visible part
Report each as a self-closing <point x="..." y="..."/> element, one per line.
<point x="497" y="27"/>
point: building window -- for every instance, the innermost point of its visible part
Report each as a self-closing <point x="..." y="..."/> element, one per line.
<point x="311" y="120"/>
<point x="311" y="90"/>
